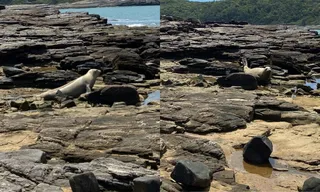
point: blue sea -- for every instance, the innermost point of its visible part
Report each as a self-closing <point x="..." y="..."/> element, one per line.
<point x="128" y="15"/>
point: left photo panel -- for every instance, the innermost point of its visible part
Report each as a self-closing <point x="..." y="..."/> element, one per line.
<point x="79" y="96"/>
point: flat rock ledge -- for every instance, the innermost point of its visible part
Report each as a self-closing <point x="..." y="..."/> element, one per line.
<point x="23" y="170"/>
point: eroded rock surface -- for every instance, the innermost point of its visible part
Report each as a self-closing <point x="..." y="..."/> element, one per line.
<point x="45" y="143"/>
<point x="199" y="104"/>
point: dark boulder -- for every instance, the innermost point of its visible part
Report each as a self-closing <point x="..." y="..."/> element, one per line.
<point x="20" y="104"/>
<point x="146" y="184"/>
<point x="245" y="81"/>
<point x="151" y="53"/>
<point x="84" y="183"/>
<point x="125" y="58"/>
<point x="180" y="69"/>
<point x="122" y="76"/>
<point x="2" y="7"/>
<point x="6" y="83"/>
<point x="267" y="114"/>
<point x="84" y="68"/>
<point x="258" y="150"/>
<point x="195" y="63"/>
<point x="11" y="71"/>
<point x="73" y="62"/>
<point x="114" y="93"/>
<point x="68" y="104"/>
<point x="192" y="174"/>
<point x="133" y="62"/>
<point x="311" y="185"/>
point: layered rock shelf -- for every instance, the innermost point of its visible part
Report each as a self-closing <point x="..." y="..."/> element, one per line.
<point x="204" y="121"/>
<point x="56" y="145"/>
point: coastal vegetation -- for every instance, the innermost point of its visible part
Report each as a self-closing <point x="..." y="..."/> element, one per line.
<point x="300" y="12"/>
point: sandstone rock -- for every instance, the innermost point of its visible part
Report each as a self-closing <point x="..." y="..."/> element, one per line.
<point x="163" y="147"/>
<point x="30" y="155"/>
<point x="45" y="187"/>
<point x="226" y="176"/>
<point x="122" y="76"/>
<point x="170" y="186"/>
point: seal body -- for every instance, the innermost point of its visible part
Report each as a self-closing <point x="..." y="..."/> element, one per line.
<point x="262" y="74"/>
<point x="75" y="88"/>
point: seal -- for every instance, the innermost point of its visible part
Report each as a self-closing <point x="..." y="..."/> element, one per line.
<point x="74" y="88"/>
<point x="262" y="74"/>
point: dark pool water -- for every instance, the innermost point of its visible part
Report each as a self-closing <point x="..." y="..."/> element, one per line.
<point x="267" y="170"/>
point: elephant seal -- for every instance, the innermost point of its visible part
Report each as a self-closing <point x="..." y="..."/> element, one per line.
<point x="74" y="88"/>
<point x="262" y="74"/>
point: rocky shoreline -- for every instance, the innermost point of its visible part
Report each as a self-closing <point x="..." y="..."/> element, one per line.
<point x="56" y="145"/>
<point x="122" y="139"/>
<point x="106" y="3"/>
<point x="206" y="122"/>
<point x="94" y="3"/>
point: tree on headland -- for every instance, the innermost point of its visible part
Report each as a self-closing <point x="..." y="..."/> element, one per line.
<point x="301" y="12"/>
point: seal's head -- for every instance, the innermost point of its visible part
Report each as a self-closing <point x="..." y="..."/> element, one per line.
<point x="94" y="72"/>
<point x="268" y="68"/>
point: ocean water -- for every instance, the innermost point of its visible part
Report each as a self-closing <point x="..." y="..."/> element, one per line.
<point x="127" y="15"/>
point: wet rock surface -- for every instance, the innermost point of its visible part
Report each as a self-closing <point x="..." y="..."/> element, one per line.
<point x="200" y="98"/>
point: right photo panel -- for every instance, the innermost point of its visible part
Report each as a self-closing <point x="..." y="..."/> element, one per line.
<point x="240" y="87"/>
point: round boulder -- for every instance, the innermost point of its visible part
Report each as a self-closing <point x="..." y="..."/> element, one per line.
<point x="114" y="93"/>
<point x="311" y="185"/>
<point x="245" y="81"/>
